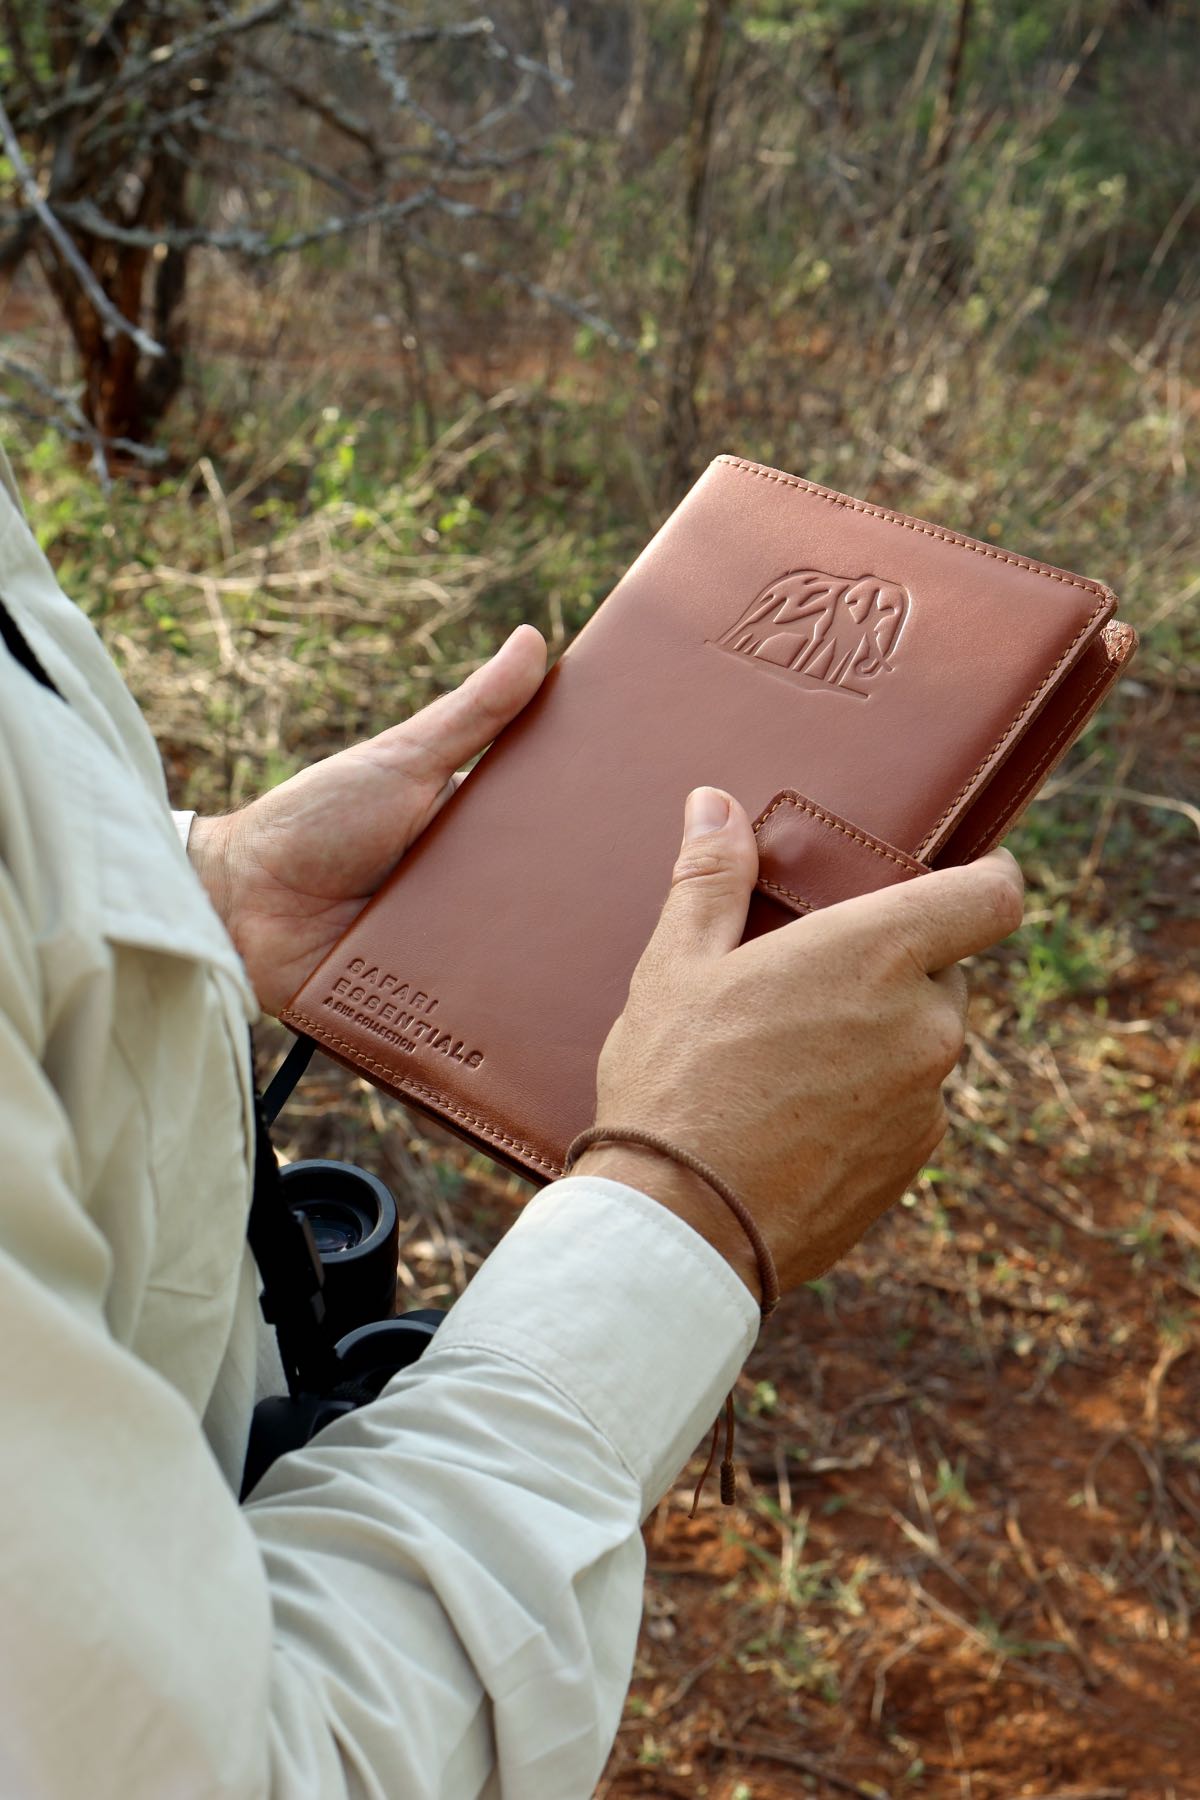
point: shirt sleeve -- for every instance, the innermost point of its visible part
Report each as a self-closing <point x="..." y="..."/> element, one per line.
<point x="183" y="825"/>
<point x="439" y="1597"/>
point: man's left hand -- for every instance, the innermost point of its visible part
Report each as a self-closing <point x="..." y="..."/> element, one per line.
<point x="290" y="872"/>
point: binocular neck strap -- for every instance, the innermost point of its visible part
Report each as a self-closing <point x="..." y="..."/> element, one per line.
<point x="291" y="1272"/>
<point x="22" y="651"/>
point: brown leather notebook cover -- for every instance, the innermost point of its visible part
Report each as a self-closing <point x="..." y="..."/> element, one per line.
<point x="882" y="695"/>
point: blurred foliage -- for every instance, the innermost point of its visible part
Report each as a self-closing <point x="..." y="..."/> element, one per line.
<point x="952" y="264"/>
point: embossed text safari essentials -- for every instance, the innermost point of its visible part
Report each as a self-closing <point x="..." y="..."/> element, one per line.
<point x="882" y="695"/>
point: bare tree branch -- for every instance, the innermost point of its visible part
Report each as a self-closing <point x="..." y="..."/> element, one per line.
<point x="171" y="126"/>
<point x="482" y="29"/>
<point x="69" y="421"/>
<point x="164" y="61"/>
<point x="114" y="320"/>
<point x="257" y="243"/>
<point x="387" y="155"/>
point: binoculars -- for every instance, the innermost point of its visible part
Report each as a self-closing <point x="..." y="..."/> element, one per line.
<point x="351" y="1220"/>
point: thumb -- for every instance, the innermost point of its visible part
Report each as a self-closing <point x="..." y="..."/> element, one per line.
<point x="458" y="725"/>
<point x="716" y="868"/>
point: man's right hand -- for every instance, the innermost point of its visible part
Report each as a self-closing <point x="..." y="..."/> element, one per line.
<point x="805" y="1066"/>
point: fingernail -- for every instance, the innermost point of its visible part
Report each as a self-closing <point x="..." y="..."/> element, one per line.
<point x="1014" y="867"/>
<point x="707" y="810"/>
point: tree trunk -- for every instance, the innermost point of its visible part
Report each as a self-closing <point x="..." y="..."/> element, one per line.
<point x="938" y="150"/>
<point x="125" y="395"/>
<point x="682" y="430"/>
<point x="108" y="361"/>
<point x="941" y="135"/>
<point x="161" y="380"/>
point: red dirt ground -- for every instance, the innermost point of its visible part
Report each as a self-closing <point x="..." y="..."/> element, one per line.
<point x="966" y="1560"/>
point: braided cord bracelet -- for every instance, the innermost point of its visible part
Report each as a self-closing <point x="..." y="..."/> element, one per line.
<point x="768" y="1280"/>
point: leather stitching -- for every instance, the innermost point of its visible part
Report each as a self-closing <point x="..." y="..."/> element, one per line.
<point x="911" y="866"/>
<point x="875" y="845"/>
<point x="1103" y="595"/>
<point x="317" y="1030"/>
<point x="774" y="887"/>
<point x="1084" y="705"/>
<point x="935" y="531"/>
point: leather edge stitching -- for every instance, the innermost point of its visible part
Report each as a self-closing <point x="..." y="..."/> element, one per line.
<point x="919" y="525"/>
<point x="1022" y="793"/>
<point x="775" y="887"/>
<point x="1102" y="595"/>
<point x="891" y="853"/>
<point x="317" y="1030"/>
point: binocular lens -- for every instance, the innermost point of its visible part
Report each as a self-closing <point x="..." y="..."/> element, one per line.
<point x="356" y="1230"/>
<point x="335" y="1226"/>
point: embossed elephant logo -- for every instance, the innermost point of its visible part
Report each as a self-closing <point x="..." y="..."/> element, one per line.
<point x="836" y="630"/>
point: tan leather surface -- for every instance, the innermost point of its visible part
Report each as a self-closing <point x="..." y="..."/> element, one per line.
<point x="858" y="679"/>
<point x="1042" y="746"/>
<point x="808" y="857"/>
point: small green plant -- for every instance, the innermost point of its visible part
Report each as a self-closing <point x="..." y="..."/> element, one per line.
<point x="764" y="1400"/>
<point x="793" y="1660"/>
<point x="950" y="1488"/>
<point x="1065" y="954"/>
<point x="1003" y="1644"/>
<point x="1147" y="1239"/>
<point x="651" y="1754"/>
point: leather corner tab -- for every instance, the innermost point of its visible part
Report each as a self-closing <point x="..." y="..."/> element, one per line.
<point x="1120" y="641"/>
<point x="808" y="857"/>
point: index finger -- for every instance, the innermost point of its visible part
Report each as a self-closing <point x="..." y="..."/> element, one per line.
<point x="939" y="918"/>
<point x="952" y="913"/>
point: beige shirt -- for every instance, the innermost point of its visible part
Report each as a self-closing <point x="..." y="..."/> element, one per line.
<point x="439" y="1596"/>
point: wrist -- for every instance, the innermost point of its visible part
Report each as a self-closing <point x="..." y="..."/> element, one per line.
<point x="208" y="853"/>
<point x="681" y="1192"/>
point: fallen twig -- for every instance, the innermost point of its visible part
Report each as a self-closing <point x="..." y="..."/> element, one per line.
<point x="1012" y="1527"/>
<point x="1171" y="1353"/>
<point x="797" y="1759"/>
